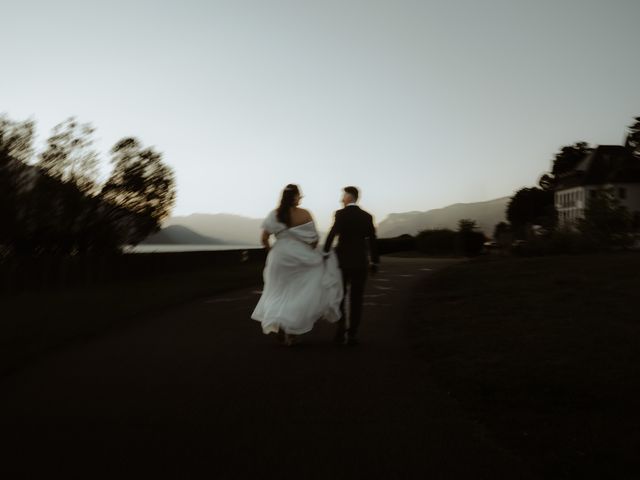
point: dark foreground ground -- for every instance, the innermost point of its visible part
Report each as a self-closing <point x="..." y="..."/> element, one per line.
<point x="545" y="352"/>
<point x="199" y="392"/>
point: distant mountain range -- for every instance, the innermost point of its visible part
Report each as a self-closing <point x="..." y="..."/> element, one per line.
<point x="222" y="228"/>
<point x="486" y="214"/>
<point x="180" y="235"/>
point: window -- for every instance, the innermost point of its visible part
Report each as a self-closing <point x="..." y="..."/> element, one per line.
<point x="622" y="193"/>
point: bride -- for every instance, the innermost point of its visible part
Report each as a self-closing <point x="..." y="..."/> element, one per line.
<point x="301" y="285"/>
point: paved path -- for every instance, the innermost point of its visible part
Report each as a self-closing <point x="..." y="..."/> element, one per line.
<point x="199" y="392"/>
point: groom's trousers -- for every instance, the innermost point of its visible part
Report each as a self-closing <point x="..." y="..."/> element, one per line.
<point x="353" y="280"/>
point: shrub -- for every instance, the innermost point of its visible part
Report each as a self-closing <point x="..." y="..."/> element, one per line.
<point x="470" y="243"/>
<point x="402" y="243"/>
<point x="436" y="241"/>
<point x="607" y="223"/>
<point x="561" y="241"/>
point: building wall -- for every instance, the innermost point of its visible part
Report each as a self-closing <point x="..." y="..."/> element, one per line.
<point x="632" y="196"/>
<point x="571" y="202"/>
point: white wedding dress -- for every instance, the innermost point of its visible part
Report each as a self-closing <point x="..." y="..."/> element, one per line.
<point x="299" y="286"/>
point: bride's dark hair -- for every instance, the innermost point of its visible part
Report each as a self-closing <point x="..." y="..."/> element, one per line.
<point x="283" y="214"/>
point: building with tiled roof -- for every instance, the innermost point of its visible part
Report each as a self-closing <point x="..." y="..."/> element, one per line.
<point x="604" y="167"/>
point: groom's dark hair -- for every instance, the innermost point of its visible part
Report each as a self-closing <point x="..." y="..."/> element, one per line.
<point x="353" y="191"/>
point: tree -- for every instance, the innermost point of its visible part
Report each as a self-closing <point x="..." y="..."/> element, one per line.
<point x="436" y="241"/>
<point x="16" y="139"/>
<point x="633" y="137"/>
<point x="503" y="236"/>
<point x="16" y="148"/>
<point x="54" y="206"/>
<point x="531" y="206"/>
<point x="500" y="229"/>
<point x="60" y="205"/>
<point x="565" y="160"/>
<point x="467" y="225"/>
<point x="607" y="222"/>
<point x="547" y="182"/>
<point x="468" y="240"/>
<point x="69" y="156"/>
<point x="140" y="191"/>
<point x="569" y="157"/>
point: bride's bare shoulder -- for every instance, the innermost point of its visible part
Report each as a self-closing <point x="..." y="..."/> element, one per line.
<point x="303" y="214"/>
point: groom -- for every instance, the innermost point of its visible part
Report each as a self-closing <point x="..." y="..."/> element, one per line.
<point x="356" y="232"/>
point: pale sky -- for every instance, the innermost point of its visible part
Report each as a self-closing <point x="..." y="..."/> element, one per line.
<point x="420" y="103"/>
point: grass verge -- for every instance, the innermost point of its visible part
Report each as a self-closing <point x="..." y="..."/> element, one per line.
<point x="545" y="352"/>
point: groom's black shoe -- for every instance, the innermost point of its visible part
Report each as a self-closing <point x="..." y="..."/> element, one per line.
<point x="352" y="341"/>
<point x="338" y="339"/>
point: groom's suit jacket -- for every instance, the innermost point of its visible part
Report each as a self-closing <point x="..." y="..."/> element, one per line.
<point x="356" y="238"/>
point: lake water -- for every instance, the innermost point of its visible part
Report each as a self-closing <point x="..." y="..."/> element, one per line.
<point x="185" y="248"/>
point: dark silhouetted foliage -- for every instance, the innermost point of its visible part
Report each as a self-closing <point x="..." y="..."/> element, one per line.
<point x="557" y="242"/>
<point x="564" y="161"/>
<point x="69" y="157"/>
<point x="436" y="241"/>
<point x="547" y="182"/>
<point x="16" y="140"/>
<point x="402" y="243"/>
<point x="467" y="225"/>
<point x="500" y="229"/>
<point x="531" y="206"/>
<point x="633" y="137"/>
<point x="569" y="157"/>
<point x="140" y="192"/>
<point x="56" y="206"/>
<point x="469" y="241"/>
<point x="607" y="223"/>
<point x="466" y="241"/>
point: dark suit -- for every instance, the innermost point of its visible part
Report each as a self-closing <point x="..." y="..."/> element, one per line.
<point x="356" y="244"/>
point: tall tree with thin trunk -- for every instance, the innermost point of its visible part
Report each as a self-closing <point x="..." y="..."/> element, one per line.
<point x="16" y="149"/>
<point x="633" y="138"/>
<point x="140" y="192"/>
<point x="69" y="155"/>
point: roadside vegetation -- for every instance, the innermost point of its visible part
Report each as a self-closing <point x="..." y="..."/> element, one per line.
<point x="544" y="352"/>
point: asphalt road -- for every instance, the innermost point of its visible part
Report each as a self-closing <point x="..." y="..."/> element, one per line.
<point x="200" y="392"/>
